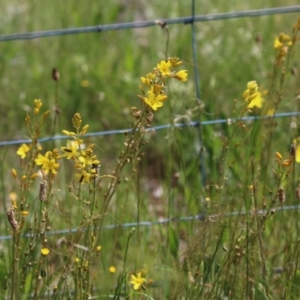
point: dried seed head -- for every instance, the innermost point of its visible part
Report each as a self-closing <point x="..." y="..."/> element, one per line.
<point x="55" y="74"/>
<point x="281" y="195"/>
<point x="293" y="150"/>
<point x="11" y="218"/>
<point x="43" y="191"/>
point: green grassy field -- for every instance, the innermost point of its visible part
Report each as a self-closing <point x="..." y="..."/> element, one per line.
<point x="148" y="177"/>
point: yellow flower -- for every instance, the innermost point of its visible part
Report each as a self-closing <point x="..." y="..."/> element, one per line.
<point x="23" y="150"/>
<point x="49" y="164"/>
<point x="164" y="67"/>
<point x="112" y="269"/>
<point x="137" y="281"/>
<point x="88" y="160"/>
<point x="277" y="44"/>
<point x="257" y="101"/>
<point x="154" y="100"/>
<point x="84" y="177"/>
<point x="297" y="158"/>
<point x="148" y="80"/>
<point x="98" y="248"/>
<point x="45" y="251"/>
<point x="253" y="96"/>
<point x="70" y="151"/>
<point x="282" y="40"/>
<point x="181" y="75"/>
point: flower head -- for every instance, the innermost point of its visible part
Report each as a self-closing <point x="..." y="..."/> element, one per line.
<point x="181" y="75"/>
<point x="137" y="281"/>
<point x="252" y="95"/>
<point x="48" y="163"/>
<point x="112" y="269"/>
<point x="154" y="100"/>
<point x="45" y="251"/>
<point x="282" y="40"/>
<point x="23" y="150"/>
<point x="71" y="150"/>
<point x="164" y="67"/>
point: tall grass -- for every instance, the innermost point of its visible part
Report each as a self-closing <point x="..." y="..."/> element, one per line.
<point x="250" y="167"/>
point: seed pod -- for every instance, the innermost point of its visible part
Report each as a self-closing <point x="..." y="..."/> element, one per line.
<point x="43" y="191"/>
<point x="11" y="218"/>
<point x="55" y="74"/>
<point x="293" y="150"/>
<point x="281" y="195"/>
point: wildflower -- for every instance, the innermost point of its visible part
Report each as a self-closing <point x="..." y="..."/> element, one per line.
<point x="282" y="40"/>
<point x="296" y="142"/>
<point x="84" y="176"/>
<point x="154" y="100"/>
<point x="98" y="248"/>
<point x="253" y="96"/>
<point x="181" y="75"/>
<point x="149" y="79"/>
<point x="257" y="101"/>
<point x="45" y="251"/>
<point x="49" y="164"/>
<point x="112" y="269"/>
<point x="297" y="154"/>
<point x="137" y="281"/>
<point x="71" y="150"/>
<point x="23" y="150"/>
<point x="164" y="67"/>
<point x="88" y="159"/>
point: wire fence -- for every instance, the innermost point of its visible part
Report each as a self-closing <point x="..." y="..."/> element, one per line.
<point x="189" y="20"/>
<point x="194" y="124"/>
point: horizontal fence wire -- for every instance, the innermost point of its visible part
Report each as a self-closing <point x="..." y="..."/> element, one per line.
<point x="199" y="217"/>
<point x="141" y="24"/>
<point x="228" y="121"/>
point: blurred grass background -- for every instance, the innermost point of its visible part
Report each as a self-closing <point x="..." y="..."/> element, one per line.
<point x="100" y="74"/>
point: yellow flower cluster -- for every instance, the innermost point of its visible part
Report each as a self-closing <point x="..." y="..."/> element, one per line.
<point x="282" y="44"/>
<point x="154" y="81"/>
<point x="253" y="96"/>
<point x="85" y="161"/>
<point x="48" y="161"/>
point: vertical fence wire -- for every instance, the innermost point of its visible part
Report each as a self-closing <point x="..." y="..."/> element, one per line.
<point x="198" y="96"/>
